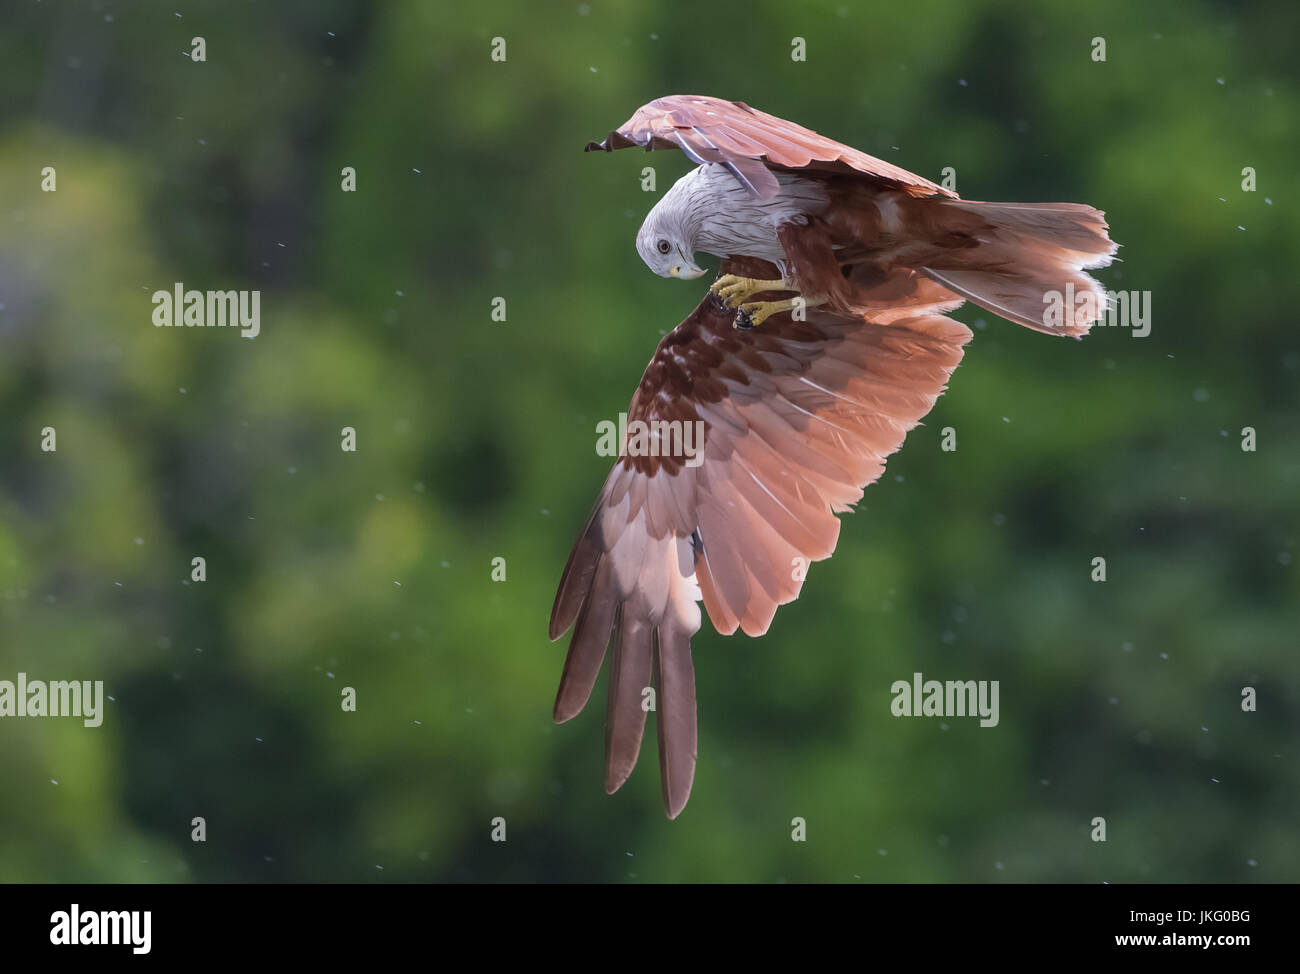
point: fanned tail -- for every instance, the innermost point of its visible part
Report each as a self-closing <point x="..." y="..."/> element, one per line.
<point x="1028" y="262"/>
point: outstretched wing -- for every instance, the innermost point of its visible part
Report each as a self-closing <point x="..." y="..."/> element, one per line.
<point x="744" y="139"/>
<point x="799" y="417"/>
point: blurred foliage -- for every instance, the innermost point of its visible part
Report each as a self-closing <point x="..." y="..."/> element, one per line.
<point x="476" y="439"/>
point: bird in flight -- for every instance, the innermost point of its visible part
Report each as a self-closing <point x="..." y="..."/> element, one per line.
<point x="822" y="341"/>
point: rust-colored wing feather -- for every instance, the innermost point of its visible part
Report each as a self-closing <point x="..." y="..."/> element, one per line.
<point x="800" y="417"/>
<point x="747" y="141"/>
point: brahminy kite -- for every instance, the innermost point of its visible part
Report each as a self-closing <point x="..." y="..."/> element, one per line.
<point x="820" y="344"/>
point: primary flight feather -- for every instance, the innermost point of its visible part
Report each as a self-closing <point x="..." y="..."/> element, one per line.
<point x="820" y="344"/>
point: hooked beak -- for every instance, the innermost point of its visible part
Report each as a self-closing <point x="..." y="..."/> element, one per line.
<point x="685" y="272"/>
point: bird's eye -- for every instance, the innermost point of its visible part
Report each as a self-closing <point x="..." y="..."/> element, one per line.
<point x="664" y="246"/>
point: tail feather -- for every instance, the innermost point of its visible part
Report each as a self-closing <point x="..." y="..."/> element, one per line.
<point x="1028" y="262"/>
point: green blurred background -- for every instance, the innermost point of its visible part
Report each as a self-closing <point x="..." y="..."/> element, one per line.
<point x="476" y="440"/>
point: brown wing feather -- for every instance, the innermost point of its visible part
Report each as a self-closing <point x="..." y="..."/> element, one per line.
<point x="800" y="417"/>
<point x="742" y="138"/>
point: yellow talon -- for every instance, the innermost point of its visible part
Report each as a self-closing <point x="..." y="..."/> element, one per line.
<point x="754" y="313"/>
<point x="733" y="289"/>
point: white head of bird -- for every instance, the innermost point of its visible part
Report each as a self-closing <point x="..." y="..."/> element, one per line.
<point x="710" y="211"/>
<point x="666" y="240"/>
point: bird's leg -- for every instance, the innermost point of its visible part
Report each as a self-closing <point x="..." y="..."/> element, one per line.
<point x="733" y="289"/>
<point x="753" y="314"/>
